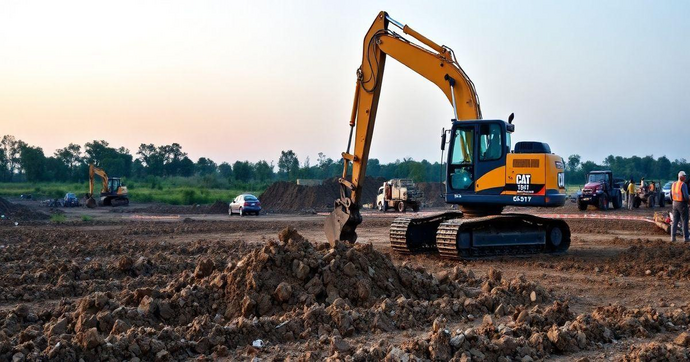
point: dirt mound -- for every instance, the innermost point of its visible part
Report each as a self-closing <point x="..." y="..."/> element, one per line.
<point x="289" y="197"/>
<point x="295" y="272"/>
<point x="288" y="290"/>
<point x="218" y="207"/>
<point x="16" y="212"/>
<point x="538" y="333"/>
<point x="433" y="194"/>
<point x="640" y="258"/>
<point x="655" y="351"/>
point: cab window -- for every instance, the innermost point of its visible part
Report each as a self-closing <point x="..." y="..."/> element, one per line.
<point x="490" y="143"/>
<point x="462" y="146"/>
<point x="461" y="168"/>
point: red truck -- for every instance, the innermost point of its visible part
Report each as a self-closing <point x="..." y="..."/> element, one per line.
<point x="600" y="190"/>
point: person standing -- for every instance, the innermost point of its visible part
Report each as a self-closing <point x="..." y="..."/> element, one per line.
<point x="631" y="194"/>
<point x="679" y="194"/>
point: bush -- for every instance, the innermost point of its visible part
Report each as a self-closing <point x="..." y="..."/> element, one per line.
<point x="58" y="218"/>
<point x="86" y="218"/>
<point x="188" y="197"/>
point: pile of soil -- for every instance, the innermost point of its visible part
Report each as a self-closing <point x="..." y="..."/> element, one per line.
<point x="285" y="196"/>
<point x="159" y="307"/>
<point x="538" y="333"/>
<point x="16" y="212"/>
<point x="654" y="351"/>
<point x="218" y="207"/>
<point x="434" y="194"/>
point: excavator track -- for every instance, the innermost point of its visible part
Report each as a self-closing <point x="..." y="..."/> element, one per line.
<point x="458" y="237"/>
<point x="410" y="235"/>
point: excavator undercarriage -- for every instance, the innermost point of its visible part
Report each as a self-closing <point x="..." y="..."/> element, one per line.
<point x="454" y="235"/>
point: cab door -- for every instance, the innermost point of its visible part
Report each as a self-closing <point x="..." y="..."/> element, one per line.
<point x="460" y="166"/>
<point x="491" y="153"/>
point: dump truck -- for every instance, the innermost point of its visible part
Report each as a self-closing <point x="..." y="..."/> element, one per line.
<point x="399" y="194"/>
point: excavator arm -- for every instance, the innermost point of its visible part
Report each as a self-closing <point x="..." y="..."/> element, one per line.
<point x="95" y="171"/>
<point x="437" y="64"/>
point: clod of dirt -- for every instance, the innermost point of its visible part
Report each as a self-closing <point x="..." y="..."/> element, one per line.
<point x="204" y="268"/>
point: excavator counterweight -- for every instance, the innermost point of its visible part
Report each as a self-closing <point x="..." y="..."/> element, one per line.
<point x="483" y="174"/>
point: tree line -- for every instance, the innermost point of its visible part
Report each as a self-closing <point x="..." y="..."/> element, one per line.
<point x="659" y="169"/>
<point x="20" y="162"/>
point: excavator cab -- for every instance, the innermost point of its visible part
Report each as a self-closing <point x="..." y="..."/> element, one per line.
<point x="114" y="184"/>
<point x="483" y="174"/>
<point x="476" y="149"/>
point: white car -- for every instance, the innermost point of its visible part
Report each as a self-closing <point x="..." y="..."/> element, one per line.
<point x="245" y="204"/>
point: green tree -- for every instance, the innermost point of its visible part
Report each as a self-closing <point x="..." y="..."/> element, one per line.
<point x="205" y="166"/>
<point x="113" y="161"/>
<point x="70" y="156"/>
<point x="33" y="163"/>
<point x="573" y="162"/>
<point x="185" y="167"/>
<point x="12" y="149"/>
<point x="288" y="164"/>
<point x="263" y="171"/>
<point x="152" y="159"/>
<point x="56" y="170"/>
<point x="225" y="170"/>
<point x="243" y="171"/>
<point x="4" y="169"/>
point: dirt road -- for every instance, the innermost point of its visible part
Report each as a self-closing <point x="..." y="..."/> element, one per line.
<point x="162" y="287"/>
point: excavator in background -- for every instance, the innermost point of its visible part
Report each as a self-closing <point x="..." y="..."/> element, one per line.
<point x="483" y="174"/>
<point x="113" y="193"/>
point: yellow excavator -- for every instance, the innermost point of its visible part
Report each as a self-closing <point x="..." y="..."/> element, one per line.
<point x="483" y="173"/>
<point x="113" y="193"/>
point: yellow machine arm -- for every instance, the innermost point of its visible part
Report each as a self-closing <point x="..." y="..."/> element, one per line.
<point x="438" y="65"/>
<point x="93" y="171"/>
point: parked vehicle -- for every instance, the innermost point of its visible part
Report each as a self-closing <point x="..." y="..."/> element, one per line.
<point x="600" y="190"/>
<point x="667" y="191"/>
<point x="398" y="194"/>
<point x="70" y="200"/>
<point x="245" y="204"/>
<point x="54" y="203"/>
<point x="645" y="195"/>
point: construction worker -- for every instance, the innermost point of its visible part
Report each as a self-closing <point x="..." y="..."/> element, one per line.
<point x="631" y="194"/>
<point x="679" y="194"/>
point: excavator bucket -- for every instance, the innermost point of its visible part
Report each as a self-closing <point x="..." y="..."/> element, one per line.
<point x="91" y="203"/>
<point x="341" y="223"/>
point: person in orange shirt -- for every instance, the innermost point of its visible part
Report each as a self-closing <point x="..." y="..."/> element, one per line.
<point x="679" y="194"/>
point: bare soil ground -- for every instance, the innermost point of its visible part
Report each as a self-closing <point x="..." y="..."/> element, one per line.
<point x="161" y="286"/>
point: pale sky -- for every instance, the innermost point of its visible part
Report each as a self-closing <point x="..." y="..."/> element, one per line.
<point x="243" y="80"/>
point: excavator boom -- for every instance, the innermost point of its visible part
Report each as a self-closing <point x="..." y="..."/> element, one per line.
<point x="436" y="64"/>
